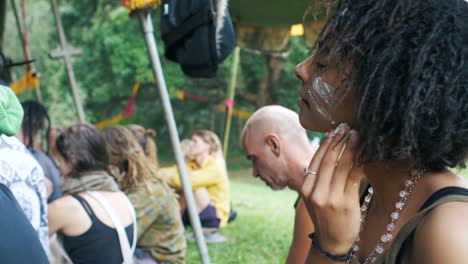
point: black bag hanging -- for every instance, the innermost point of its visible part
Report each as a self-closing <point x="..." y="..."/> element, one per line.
<point x="197" y="34"/>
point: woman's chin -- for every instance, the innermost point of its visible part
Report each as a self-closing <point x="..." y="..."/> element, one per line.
<point x="313" y="124"/>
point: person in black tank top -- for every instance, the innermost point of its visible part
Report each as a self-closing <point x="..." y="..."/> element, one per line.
<point x="99" y="244"/>
<point x="388" y="83"/>
<point x="84" y="162"/>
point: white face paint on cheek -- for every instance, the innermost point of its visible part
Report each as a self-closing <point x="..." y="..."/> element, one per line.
<point x="321" y="96"/>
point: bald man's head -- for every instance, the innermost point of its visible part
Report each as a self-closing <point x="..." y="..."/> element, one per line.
<point x="273" y="119"/>
<point x="275" y="142"/>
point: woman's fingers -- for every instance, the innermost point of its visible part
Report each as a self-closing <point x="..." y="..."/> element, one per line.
<point x="329" y="161"/>
<point x="314" y="165"/>
<point x="345" y="164"/>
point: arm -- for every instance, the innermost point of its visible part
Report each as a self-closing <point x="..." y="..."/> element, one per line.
<point x="60" y="214"/>
<point x="209" y="175"/>
<point x="49" y="186"/>
<point x="301" y="243"/>
<point x="442" y="237"/>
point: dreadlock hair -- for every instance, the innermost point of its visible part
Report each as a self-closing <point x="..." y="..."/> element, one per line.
<point x="35" y="119"/>
<point x="128" y="159"/>
<point x="84" y="148"/>
<point x="410" y="72"/>
<point x="145" y="138"/>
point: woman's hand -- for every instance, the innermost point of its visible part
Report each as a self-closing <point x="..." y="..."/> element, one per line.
<point x="332" y="196"/>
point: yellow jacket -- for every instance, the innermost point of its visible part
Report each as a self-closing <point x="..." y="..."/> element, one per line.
<point x="210" y="175"/>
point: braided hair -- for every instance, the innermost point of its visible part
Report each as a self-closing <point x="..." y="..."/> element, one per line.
<point x="410" y="72"/>
<point x="35" y="119"/>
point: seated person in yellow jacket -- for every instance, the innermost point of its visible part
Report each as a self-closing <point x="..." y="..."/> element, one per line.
<point x="208" y="177"/>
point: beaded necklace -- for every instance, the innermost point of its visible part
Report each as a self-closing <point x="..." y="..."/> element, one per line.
<point x="387" y="235"/>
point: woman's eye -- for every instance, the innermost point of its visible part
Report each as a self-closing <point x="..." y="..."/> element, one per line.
<point x="320" y="66"/>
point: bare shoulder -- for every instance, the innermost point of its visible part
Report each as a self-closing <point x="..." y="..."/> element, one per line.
<point x="62" y="213"/>
<point x="442" y="237"/>
<point x="64" y="203"/>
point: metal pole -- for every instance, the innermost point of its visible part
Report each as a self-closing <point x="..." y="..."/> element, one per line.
<point x="26" y="51"/>
<point x="68" y="64"/>
<point x="147" y="27"/>
<point x="230" y="98"/>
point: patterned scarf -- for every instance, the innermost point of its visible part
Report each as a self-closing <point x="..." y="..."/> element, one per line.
<point x="90" y="181"/>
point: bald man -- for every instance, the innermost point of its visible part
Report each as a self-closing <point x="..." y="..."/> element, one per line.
<point x="279" y="149"/>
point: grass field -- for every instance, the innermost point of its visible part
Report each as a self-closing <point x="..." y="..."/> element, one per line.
<point x="263" y="229"/>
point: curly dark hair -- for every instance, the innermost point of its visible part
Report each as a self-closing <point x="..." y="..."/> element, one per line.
<point x="410" y="71"/>
<point x="84" y="147"/>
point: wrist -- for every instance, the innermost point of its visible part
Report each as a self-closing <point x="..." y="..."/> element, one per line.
<point x="339" y="253"/>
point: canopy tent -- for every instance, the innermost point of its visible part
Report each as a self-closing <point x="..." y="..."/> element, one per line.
<point x="265" y="25"/>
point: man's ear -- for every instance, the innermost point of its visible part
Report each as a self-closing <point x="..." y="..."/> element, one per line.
<point x="274" y="144"/>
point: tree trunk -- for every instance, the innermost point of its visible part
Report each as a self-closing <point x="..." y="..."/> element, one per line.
<point x="266" y="85"/>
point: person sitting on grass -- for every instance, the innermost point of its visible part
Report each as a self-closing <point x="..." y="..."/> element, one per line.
<point x="160" y="229"/>
<point x="279" y="149"/>
<point x="89" y="233"/>
<point x="210" y="184"/>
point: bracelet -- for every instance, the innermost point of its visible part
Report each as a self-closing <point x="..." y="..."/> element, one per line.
<point x="341" y="257"/>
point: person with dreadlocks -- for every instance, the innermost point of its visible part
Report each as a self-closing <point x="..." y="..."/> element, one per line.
<point x="35" y="121"/>
<point x="394" y="75"/>
<point x="145" y="138"/>
<point x="160" y="229"/>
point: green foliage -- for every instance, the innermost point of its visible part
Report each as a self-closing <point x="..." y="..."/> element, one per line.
<point x="115" y="57"/>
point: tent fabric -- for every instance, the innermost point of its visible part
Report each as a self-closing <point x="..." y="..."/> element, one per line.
<point x="265" y="39"/>
<point x="268" y="13"/>
<point x="265" y="25"/>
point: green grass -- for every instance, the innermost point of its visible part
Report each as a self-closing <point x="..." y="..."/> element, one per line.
<point x="262" y="231"/>
<point x="463" y="173"/>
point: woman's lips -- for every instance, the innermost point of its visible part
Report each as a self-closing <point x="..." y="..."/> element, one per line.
<point x="303" y="101"/>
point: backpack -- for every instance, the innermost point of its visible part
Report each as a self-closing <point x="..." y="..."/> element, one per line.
<point x="197" y="34"/>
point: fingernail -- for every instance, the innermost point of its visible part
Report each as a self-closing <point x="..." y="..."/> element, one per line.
<point x="353" y="136"/>
<point x="330" y="134"/>
<point x="340" y="129"/>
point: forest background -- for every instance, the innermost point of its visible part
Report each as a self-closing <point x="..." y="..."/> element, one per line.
<point x="115" y="57"/>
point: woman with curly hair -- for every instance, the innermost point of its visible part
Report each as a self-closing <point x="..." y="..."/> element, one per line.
<point x="160" y="230"/>
<point x="394" y="75"/>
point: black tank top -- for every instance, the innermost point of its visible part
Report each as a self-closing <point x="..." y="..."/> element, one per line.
<point x="99" y="244"/>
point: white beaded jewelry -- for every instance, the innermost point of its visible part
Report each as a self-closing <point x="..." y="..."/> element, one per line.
<point x="387" y="235"/>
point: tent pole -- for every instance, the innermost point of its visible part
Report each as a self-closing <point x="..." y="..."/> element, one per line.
<point x="147" y="26"/>
<point x="230" y="100"/>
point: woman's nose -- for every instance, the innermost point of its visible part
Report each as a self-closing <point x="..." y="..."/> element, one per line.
<point x="302" y="70"/>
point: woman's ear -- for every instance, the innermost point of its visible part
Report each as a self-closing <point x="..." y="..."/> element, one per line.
<point x="274" y="144"/>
